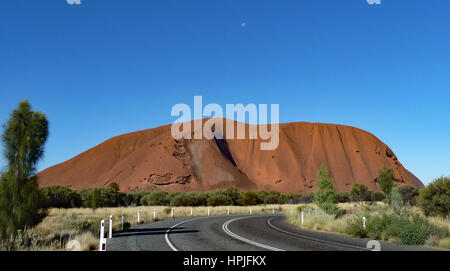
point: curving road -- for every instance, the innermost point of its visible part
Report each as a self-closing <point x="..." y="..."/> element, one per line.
<point x="235" y="233"/>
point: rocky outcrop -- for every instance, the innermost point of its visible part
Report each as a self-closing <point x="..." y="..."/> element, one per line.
<point x="154" y="160"/>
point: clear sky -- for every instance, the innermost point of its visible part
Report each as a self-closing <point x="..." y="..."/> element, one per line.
<point x="107" y="67"/>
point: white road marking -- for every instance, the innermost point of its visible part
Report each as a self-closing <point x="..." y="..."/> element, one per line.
<point x="230" y="233"/>
<point x="173" y="227"/>
<point x="313" y="239"/>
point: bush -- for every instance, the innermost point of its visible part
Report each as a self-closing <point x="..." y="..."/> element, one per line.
<point x="358" y="192"/>
<point x="179" y="200"/>
<point x="297" y="198"/>
<point x="60" y="197"/>
<point x="248" y="198"/>
<point x="396" y="201"/>
<point x="409" y="193"/>
<point x="410" y="229"/>
<point x="343" y="197"/>
<point x="434" y="200"/>
<point x="219" y="200"/>
<point x="377" y="196"/>
<point x="158" y="198"/>
<point x="273" y="197"/>
<point x="233" y="193"/>
<point x="197" y="199"/>
<point x="134" y="198"/>
<point x="108" y="197"/>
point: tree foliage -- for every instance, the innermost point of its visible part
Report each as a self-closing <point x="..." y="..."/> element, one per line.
<point x="325" y="196"/>
<point x="434" y="200"/>
<point x="24" y="136"/>
<point x="386" y="181"/>
<point x="358" y="192"/>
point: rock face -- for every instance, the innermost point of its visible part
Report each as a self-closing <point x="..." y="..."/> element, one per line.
<point x="154" y="160"/>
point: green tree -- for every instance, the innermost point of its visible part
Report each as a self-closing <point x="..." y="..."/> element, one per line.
<point x="358" y="191"/>
<point x="219" y="200"/>
<point x="114" y="186"/>
<point x="434" y="200"/>
<point x="248" y="198"/>
<point x="24" y="136"/>
<point x="325" y="196"/>
<point x="386" y="181"/>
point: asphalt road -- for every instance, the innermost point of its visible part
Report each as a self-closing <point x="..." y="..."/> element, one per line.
<point x="235" y="233"/>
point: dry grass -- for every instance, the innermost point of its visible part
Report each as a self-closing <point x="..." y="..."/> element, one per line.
<point x="82" y="224"/>
<point x="315" y="219"/>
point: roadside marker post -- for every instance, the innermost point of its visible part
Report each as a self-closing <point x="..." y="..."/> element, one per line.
<point x="154" y="214"/>
<point x="171" y="213"/>
<point x="364" y="222"/>
<point x="208" y="211"/>
<point x="302" y="217"/>
<point x="139" y="217"/>
<point x="228" y="210"/>
<point x="191" y="211"/>
<point x="273" y="210"/>
<point x="250" y="210"/>
<point x="123" y="219"/>
<point x="110" y="226"/>
<point x="102" y="246"/>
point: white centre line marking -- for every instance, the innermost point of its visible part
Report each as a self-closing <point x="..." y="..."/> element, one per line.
<point x="230" y="233"/>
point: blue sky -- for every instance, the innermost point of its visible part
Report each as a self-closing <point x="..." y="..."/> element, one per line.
<point x="108" y="67"/>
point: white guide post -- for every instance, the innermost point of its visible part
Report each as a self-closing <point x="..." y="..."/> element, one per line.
<point x="154" y="214"/>
<point x="191" y="211"/>
<point x="364" y="222"/>
<point x="250" y="210"/>
<point x="110" y="226"/>
<point x="208" y="211"/>
<point x="171" y="213"/>
<point x="123" y="219"/>
<point x="102" y="246"/>
<point x="139" y="216"/>
<point x="273" y="210"/>
<point x="302" y="217"/>
<point x="228" y="210"/>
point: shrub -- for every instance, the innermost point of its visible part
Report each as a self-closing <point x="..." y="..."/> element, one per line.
<point x="272" y="197"/>
<point x="219" y="200"/>
<point x="410" y="229"/>
<point x="409" y="193"/>
<point x="396" y="201"/>
<point x="167" y="210"/>
<point x="179" y="200"/>
<point x="114" y="186"/>
<point x="248" y="198"/>
<point x="158" y="198"/>
<point x="134" y="198"/>
<point x="377" y="196"/>
<point x="108" y="197"/>
<point x="60" y="197"/>
<point x="358" y="191"/>
<point x="434" y="200"/>
<point x="197" y="199"/>
<point x="343" y="196"/>
<point x="233" y="193"/>
<point x="324" y="196"/>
